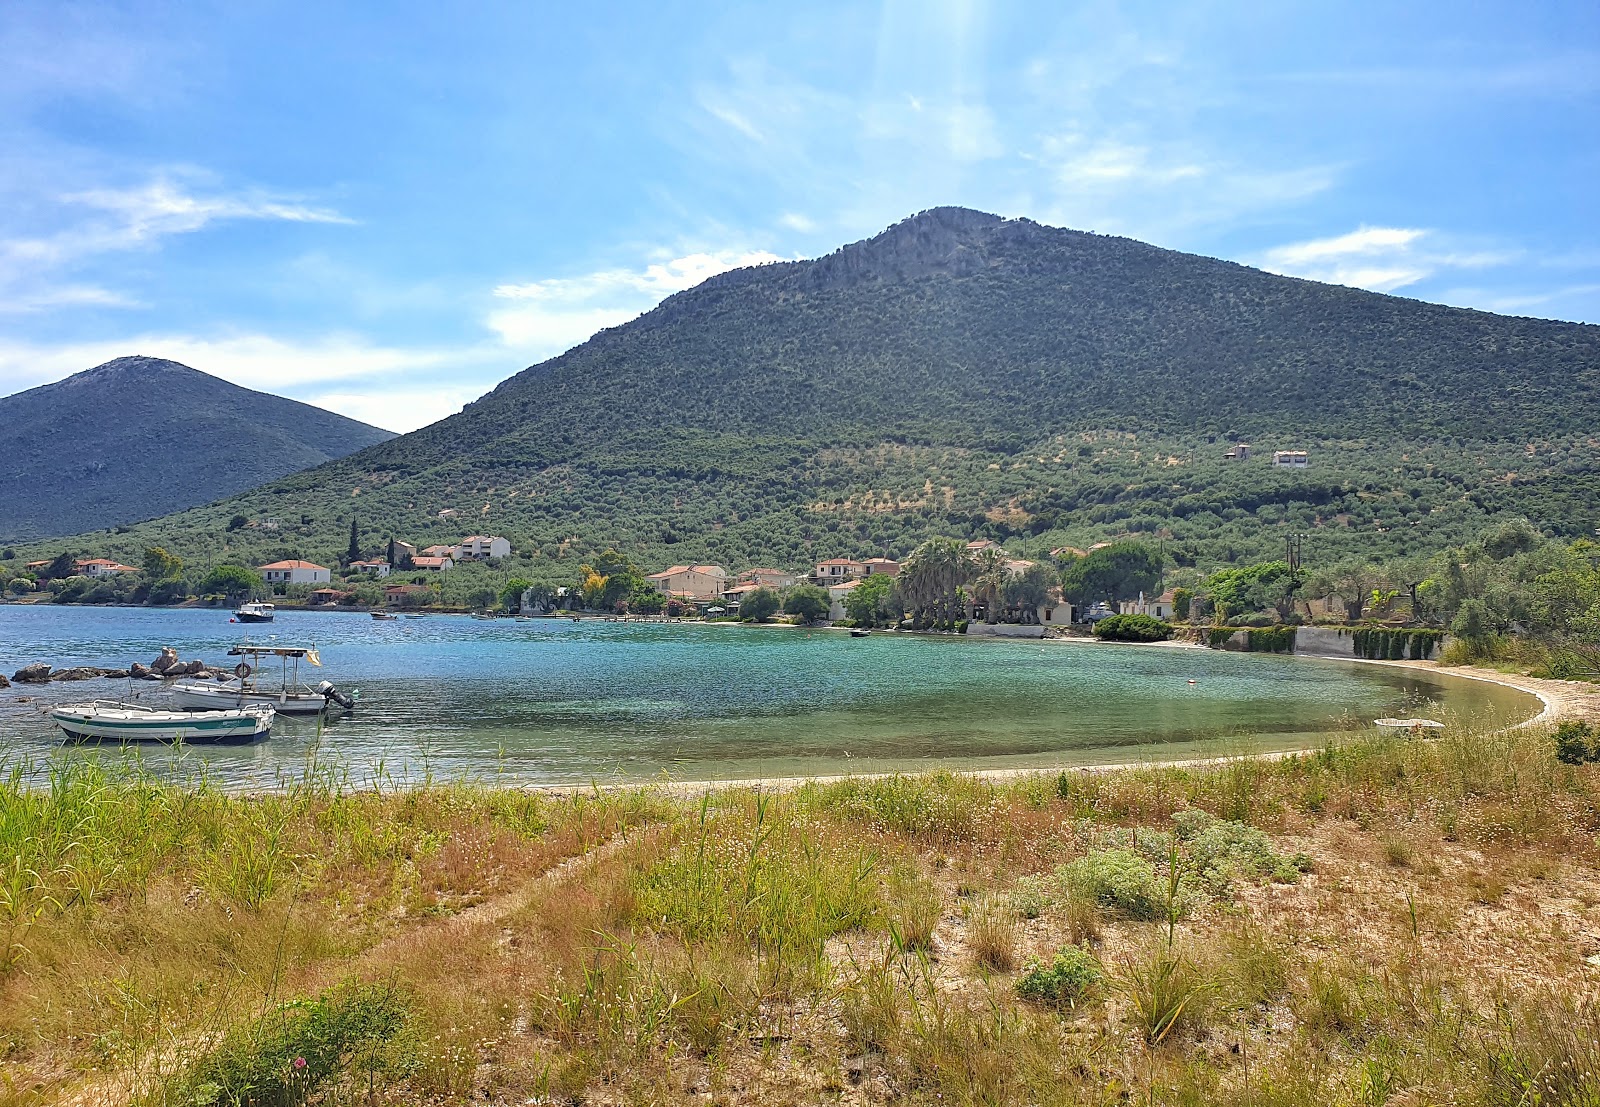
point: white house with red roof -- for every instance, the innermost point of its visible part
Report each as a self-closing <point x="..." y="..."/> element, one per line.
<point x="838" y="569"/>
<point x="102" y="567"/>
<point x="296" y="572"/>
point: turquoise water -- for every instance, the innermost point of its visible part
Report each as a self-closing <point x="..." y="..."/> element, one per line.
<point x="552" y="701"/>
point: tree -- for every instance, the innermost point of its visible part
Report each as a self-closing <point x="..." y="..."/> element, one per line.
<point x="482" y="599"/>
<point x="159" y="565"/>
<point x="1115" y="572"/>
<point x="1181" y="599"/>
<point x="511" y="593"/>
<point x="237" y="521"/>
<point x="353" y="552"/>
<point x="1250" y="588"/>
<point x="1030" y="590"/>
<point x="759" y="605"/>
<point x="62" y="565"/>
<point x="647" y="601"/>
<point x="807" y="601"/>
<point x="873" y="602"/>
<point x="1353" y="582"/>
<point x="233" y="581"/>
<point x="931" y="578"/>
<point x="1132" y="628"/>
<point x="989" y="575"/>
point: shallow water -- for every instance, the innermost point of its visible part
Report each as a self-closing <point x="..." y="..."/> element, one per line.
<point x="551" y="701"/>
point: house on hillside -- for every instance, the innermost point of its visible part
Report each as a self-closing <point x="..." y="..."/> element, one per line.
<point x="374" y="568"/>
<point x="403" y="550"/>
<point x="837" y="594"/>
<point x="102" y="567"/>
<point x="436" y="550"/>
<point x="690" y="582"/>
<point x="880" y="566"/>
<point x="1159" y="607"/>
<point x="406" y="593"/>
<point x="323" y="597"/>
<point x="837" y="569"/>
<point x="437" y="564"/>
<point x="1237" y="452"/>
<point x="295" y="572"/>
<point x="770" y="578"/>
<point x="1068" y="551"/>
<point x="481" y="547"/>
<point x="1290" y="459"/>
<point x="978" y="545"/>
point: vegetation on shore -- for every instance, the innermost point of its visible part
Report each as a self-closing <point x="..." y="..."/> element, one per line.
<point x="1382" y="921"/>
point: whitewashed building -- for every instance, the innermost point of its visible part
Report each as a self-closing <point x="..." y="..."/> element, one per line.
<point x="295" y="572"/>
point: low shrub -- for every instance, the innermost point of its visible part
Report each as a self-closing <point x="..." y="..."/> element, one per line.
<point x="1388" y="644"/>
<point x="1065" y="981"/>
<point x="1575" y="743"/>
<point x="1133" y="628"/>
<point x="1219" y="850"/>
<point x="1119" y="879"/>
<point x="1276" y="639"/>
<point x="301" y="1048"/>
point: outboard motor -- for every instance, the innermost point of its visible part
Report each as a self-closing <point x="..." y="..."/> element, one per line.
<point x="333" y="695"/>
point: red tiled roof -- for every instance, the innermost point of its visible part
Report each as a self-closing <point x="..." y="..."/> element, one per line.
<point x="295" y="565"/>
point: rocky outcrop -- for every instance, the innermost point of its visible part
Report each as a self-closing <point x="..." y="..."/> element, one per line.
<point x="165" y="660"/>
<point x="37" y="673"/>
<point x="5" y="682"/>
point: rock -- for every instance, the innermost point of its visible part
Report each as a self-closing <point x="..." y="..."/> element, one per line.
<point x="115" y="674"/>
<point x="5" y="682"/>
<point x="138" y="671"/>
<point x="167" y="659"/>
<point x="82" y="672"/>
<point x="37" y="673"/>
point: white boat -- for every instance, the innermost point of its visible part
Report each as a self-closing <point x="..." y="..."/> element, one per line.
<point x="287" y="695"/>
<point x="384" y="616"/>
<point x="255" y="613"/>
<point x="114" y="721"/>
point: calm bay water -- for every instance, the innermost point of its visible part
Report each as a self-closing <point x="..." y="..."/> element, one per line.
<point x="552" y="701"/>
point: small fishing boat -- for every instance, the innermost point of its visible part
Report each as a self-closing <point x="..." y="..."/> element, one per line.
<point x="416" y="616"/>
<point x="287" y="695"/>
<point x="1414" y="726"/>
<point x="115" y="721"/>
<point x="255" y="613"/>
<point x="860" y="632"/>
<point x="384" y="616"/>
<point x="482" y="615"/>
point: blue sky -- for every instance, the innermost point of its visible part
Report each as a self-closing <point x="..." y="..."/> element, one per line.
<point x="387" y="208"/>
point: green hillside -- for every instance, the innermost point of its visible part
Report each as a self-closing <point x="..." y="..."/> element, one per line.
<point x="965" y="374"/>
<point x="141" y="436"/>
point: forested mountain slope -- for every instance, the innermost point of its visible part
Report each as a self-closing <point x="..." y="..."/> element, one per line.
<point x="961" y="373"/>
<point x="140" y="436"/>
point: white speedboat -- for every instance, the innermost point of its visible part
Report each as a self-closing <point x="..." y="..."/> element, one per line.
<point x="255" y="613"/>
<point x="287" y="694"/>
<point x="114" y="721"/>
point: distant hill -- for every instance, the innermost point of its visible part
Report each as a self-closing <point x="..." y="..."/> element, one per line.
<point x="962" y="373"/>
<point x="140" y="436"/>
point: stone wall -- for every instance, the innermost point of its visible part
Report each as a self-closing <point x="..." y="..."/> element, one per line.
<point x="1324" y="642"/>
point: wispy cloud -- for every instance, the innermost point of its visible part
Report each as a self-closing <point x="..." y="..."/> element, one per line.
<point x="1380" y="259"/>
<point x="555" y="314"/>
<point x="101" y="221"/>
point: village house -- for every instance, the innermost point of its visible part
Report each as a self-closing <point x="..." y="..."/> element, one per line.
<point x="376" y="568"/>
<point x="880" y="566"/>
<point x="978" y="545"/>
<point x="402" y="550"/>
<point x="435" y="551"/>
<point x="837" y="594"/>
<point x="837" y="569"/>
<point x="481" y="547"/>
<point x="769" y="578"/>
<point x="1290" y="459"/>
<point x="295" y="572"/>
<point x="323" y="597"/>
<point x="1159" y="607"/>
<point x="1238" y="452"/>
<point x="406" y="593"/>
<point x="690" y="582"/>
<point x="1068" y="551"/>
<point x="437" y="564"/>
<point x="101" y="567"/>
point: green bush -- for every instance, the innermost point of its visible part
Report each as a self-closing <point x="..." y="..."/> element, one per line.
<point x="1219" y="850"/>
<point x="1271" y="640"/>
<point x="1069" y="977"/>
<point x="1386" y="644"/>
<point x="293" y="1052"/>
<point x="1133" y="628"/>
<point x="1575" y="743"/>
<point x="1119" y="879"/>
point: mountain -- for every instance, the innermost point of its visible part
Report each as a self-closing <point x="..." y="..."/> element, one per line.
<point x="966" y="374"/>
<point x="140" y="436"/>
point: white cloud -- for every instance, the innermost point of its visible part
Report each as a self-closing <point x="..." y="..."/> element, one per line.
<point x="128" y="219"/>
<point x="556" y="314"/>
<point x="396" y="409"/>
<point x="1380" y="259"/>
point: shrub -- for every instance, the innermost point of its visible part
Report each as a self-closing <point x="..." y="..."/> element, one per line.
<point x="1575" y="743"/>
<point x="1385" y="644"/>
<point x="1119" y="879"/>
<point x="1070" y="977"/>
<point x="291" y="1053"/>
<point x="1133" y="628"/>
<point x="759" y="606"/>
<point x="1182" y="599"/>
<point x="1219" y="850"/>
<point x="1271" y="640"/>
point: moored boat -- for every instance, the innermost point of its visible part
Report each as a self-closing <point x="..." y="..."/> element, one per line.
<point x="860" y="632"/>
<point x="287" y="695"/>
<point x="255" y="613"/>
<point x="384" y="616"/>
<point x="115" y="721"/>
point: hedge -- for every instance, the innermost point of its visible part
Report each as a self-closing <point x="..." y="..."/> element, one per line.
<point x="1385" y="644"/>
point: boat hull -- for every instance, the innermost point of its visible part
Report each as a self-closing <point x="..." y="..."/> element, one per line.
<point x="111" y="724"/>
<point x="219" y="697"/>
<point x="253" y="618"/>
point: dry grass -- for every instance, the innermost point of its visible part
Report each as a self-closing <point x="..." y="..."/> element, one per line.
<point x="859" y="942"/>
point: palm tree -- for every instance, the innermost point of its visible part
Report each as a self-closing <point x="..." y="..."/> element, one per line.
<point x="989" y="575"/>
<point x="931" y="579"/>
